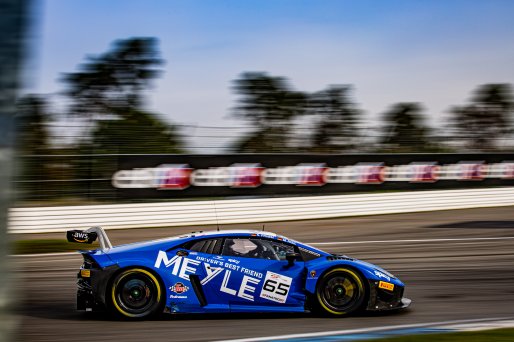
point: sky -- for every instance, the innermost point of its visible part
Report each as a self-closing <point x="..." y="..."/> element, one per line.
<point x="434" y="51"/>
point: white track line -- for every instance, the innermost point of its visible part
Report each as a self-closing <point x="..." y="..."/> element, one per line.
<point x="479" y="326"/>
<point x="365" y="330"/>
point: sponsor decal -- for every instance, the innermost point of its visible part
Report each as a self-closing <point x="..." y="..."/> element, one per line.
<point x="504" y="170"/>
<point x="386" y="286"/>
<point x="280" y="175"/>
<point x="213" y="176"/>
<point x="342" y="174"/>
<point x="163" y="177"/>
<point x="424" y="172"/>
<point x="311" y="174"/>
<point x="292" y="242"/>
<point x="233" y="261"/>
<point x="508" y="170"/>
<point x="213" y="261"/>
<point x="173" y="176"/>
<point x="178" y="297"/>
<point x="182" y="267"/>
<point x="179" y="288"/>
<point x="370" y="173"/>
<point x="472" y="171"/>
<point x="266" y="235"/>
<point x="236" y="176"/>
<point x="212" y="272"/>
<point x="243" y="175"/>
<point x="80" y="237"/>
<point x="276" y="287"/>
<point x="85" y="273"/>
<point x="382" y="275"/>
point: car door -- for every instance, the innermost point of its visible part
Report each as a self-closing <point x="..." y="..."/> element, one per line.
<point x="258" y="276"/>
<point x="208" y="273"/>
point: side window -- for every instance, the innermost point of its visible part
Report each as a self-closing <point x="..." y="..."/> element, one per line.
<point x="211" y="246"/>
<point x="256" y="248"/>
<point x="281" y="249"/>
<point x="239" y="247"/>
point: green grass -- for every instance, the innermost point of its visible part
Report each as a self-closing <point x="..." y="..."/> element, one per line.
<point x="496" y="335"/>
<point x="47" y="246"/>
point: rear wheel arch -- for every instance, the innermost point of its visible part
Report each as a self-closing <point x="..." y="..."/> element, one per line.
<point x="110" y="292"/>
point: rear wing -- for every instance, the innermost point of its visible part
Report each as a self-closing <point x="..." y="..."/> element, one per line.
<point x="89" y="236"/>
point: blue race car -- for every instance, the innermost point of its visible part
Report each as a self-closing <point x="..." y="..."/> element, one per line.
<point x="228" y="271"/>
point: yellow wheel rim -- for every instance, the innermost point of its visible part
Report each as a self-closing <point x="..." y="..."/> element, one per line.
<point x="344" y="287"/>
<point x="121" y="278"/>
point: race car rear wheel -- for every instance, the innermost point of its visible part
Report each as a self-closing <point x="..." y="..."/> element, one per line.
<point x="340" y="291"/>
<point x="136" y="293"/>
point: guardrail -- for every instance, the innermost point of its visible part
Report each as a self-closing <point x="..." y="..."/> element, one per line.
<point x="167" y="214"/>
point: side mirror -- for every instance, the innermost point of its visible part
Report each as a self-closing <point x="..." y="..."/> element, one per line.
<point x="291" y="257"/>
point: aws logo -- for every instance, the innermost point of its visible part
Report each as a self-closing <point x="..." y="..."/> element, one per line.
<point x="80" y="237"/>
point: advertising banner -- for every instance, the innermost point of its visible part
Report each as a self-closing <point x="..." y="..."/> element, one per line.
<point x="163" y="176"/>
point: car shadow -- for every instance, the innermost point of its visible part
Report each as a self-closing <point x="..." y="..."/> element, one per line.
<point x="65" y="311"/>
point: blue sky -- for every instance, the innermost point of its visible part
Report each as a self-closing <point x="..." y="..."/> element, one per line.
<point x="433" y="51"/>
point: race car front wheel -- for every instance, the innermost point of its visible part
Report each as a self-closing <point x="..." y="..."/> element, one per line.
<point x="340" y="291"/>
<point x="136" y="293"/>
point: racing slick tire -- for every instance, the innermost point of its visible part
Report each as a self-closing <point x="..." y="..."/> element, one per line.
<point x="136" y="293"/>
<point x="340" y="291"/>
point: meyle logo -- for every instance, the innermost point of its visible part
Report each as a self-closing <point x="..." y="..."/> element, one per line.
<point x="179" y="288"/>
<point x="183" y="267"/>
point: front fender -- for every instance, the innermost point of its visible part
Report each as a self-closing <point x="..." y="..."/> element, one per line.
<point x="317" y="270"/>
<point x="370" y="272"/>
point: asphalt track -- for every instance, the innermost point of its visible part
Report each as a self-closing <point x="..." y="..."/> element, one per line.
<point x="456" y="265"/>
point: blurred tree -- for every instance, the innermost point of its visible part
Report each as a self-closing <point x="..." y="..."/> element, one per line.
<point x="137" y="132"/>
<point x="335" y="130"/>
<point x="488" y="118"/>
<point x="32" y="117"/>
<point x="404" y="130"/>
<point x="113" y="82"/>
<point x="112" y="136"/>
<point x="109" y="90"/>
<point x="33" y="141"/>
<point x="270" y="106"/>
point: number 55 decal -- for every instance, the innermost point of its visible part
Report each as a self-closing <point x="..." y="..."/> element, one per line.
<point x="276" y="287"/>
